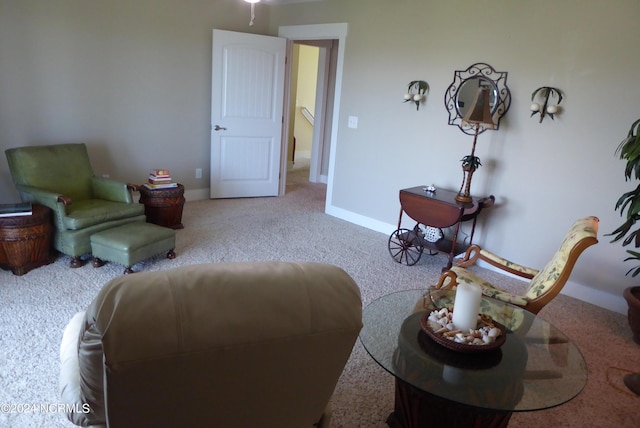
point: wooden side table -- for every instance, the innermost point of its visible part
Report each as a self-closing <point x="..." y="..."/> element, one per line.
<point x="25" y="241"/>
<point x="163" y="206"/>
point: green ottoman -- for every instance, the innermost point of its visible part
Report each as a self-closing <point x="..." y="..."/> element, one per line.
<point x="131" y="243"/>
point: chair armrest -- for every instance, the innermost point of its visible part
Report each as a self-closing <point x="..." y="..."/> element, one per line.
<point x="72" y="385"/>
<point x="53" y="200"/>
<point x="112" y="190"/>
<point x="42" y="196"/>
<point x="69" y="382"/>
<point x="475" y="253"/>
<point x="447" y="281"/>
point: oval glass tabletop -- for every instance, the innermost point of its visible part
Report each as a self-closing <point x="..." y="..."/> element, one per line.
<point x="536" y="368"/>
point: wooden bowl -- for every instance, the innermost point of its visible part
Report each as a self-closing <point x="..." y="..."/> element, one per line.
<point x="442" y="340"/>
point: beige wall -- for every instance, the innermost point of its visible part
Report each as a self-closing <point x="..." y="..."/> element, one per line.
<point x="544" y="175"/>
<point x="132" y="79"/>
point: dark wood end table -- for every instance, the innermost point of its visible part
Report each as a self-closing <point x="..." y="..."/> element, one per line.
<point x="26" y="241"/>
<point x="163" y="206"/>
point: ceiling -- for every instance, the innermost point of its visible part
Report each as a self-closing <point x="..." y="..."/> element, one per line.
<point x="278" y="2"/>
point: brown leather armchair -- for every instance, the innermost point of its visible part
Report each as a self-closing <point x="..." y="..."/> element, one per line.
<point x="61" y="177"/>
<point x="214" y="345"/>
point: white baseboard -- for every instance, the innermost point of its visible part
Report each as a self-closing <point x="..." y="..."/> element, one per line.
<point x="197" y="194"/>
<point x="360" y="220"/>
<point x="611" y="301"/>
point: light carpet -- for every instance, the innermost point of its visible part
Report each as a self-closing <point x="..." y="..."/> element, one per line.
<point x="34" y="309"/>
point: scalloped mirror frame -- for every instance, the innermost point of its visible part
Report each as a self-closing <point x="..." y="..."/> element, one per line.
<point x="477" y="74"/>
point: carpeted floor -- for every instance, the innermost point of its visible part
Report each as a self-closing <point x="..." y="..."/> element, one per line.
<point x="34" y="309"/>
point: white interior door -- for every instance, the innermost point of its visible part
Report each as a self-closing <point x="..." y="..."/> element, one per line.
<point x="247" y="96"/>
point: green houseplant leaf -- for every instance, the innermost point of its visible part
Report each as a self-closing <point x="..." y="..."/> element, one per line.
<point x="629" y="203"/>
<point x="634" y="256"/>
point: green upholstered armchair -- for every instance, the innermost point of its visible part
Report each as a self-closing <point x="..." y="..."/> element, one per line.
<point x="61" y="178"/>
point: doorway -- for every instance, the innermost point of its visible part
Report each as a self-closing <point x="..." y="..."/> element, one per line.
<point x="331" y="40"/>
<point x="304" y="78"/>
<point x="313" y="70"/>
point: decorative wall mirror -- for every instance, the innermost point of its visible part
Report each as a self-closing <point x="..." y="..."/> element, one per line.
<point x="461" y="92"/>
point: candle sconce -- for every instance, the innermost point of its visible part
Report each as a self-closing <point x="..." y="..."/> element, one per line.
<point x="416" y="92"/>
<point x="546" y="92"/>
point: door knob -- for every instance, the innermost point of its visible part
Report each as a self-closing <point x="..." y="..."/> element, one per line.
<point x="219" y="128"/>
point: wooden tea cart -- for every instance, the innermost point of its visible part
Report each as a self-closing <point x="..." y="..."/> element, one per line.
<point x="433" y="209"/>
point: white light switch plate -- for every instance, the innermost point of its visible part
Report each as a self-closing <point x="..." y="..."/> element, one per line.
<point x="353" y="122"/>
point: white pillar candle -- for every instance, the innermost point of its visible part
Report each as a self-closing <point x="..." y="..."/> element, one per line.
<point x="453" y="375"/>
<point x="466" y="306"/>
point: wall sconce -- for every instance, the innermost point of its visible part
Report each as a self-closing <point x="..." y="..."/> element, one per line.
<point x="546" y="109"/>
<point x="416" y="91"/>
<point x="253" y="10"/>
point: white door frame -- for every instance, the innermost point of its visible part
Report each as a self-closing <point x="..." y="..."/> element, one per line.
<point x="320" y="110"/>
<point x="336" y="31"/>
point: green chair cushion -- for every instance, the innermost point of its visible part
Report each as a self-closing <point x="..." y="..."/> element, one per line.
<point x="132" y="242"/>
<point x="88" y="212"/>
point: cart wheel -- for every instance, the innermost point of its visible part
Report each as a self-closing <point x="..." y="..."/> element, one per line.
<point x="405" y="247"/>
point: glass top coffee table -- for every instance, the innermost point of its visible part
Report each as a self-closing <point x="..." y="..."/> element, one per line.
<point x="536" y="368"/>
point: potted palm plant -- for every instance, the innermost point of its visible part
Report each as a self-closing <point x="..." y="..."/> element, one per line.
<point x="629" y="207"/>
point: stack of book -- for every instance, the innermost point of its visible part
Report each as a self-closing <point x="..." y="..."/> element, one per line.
<point x="160" y="179"/>
<point x="11" y="210"/>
